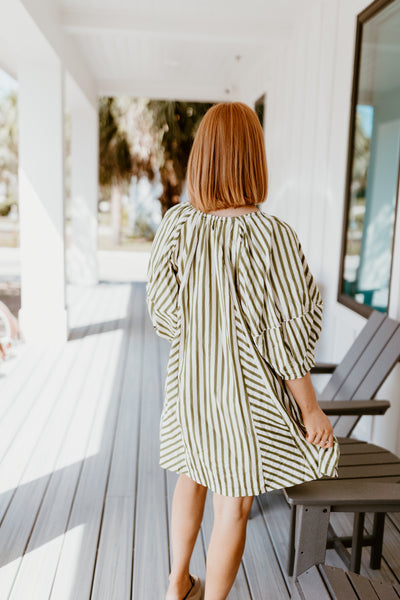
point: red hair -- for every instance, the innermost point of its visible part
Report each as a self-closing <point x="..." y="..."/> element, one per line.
<point x="227" y="165"/>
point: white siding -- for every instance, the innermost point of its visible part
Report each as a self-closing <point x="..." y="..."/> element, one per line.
<point x="307" y="120"/>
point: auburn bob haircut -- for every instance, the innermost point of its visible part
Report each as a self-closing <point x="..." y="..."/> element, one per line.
<point x="227" y="165"/>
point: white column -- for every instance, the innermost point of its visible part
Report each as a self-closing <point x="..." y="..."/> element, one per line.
<point x="43" y="315"/>
<point x="82" y="251"/>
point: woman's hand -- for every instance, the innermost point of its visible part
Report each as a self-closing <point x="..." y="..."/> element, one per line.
<point x="319" y="428"/>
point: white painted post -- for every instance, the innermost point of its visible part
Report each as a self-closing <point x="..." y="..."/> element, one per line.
<point x="82" y="251"/>
<point x="43" y="314"/>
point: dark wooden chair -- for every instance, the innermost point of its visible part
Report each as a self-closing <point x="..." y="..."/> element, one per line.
<point x="354" y="382"/>
<point x="348" y="395"/>
<point x="330" y="583"/>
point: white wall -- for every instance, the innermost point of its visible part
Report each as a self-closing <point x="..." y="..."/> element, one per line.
<point x="306" y="129"/>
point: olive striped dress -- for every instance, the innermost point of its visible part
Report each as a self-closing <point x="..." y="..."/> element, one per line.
<point x="235" y="297"/>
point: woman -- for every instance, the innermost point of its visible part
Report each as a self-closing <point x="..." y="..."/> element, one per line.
<point x="229" y="286"/>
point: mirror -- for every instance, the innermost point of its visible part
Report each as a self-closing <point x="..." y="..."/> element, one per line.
<point x="373" y="162"/>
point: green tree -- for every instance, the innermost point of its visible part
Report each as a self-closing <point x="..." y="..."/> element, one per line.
<point x="176" y="123"/>
<point x="9" y="150"/>
<point x="129" y="146"/>
<point x="135" y="122"/>
<point x="115" y="164"/>
<point x="140" y="136"/>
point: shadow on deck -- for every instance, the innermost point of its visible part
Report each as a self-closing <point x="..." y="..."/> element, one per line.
<point x="84" y="505"/>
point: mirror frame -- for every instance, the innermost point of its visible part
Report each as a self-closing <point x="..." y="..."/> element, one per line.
<point x="362" y="309"/>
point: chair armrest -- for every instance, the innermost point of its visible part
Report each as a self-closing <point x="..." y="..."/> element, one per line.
<point x="322" y="368"/>
<point x="354" y="407"/>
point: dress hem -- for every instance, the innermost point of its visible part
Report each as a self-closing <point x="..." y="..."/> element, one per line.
<point x="258" y="492"/>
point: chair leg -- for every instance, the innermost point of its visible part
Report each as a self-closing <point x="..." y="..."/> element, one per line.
<point x="311" y="537"/>
<point x="377" y="533"/>
<point x="357" y="542"/>
<point x="292" y="536"/>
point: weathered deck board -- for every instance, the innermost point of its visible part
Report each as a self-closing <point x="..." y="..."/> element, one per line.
<point x="84" y="506"/>
<point x="262" y="568"/>
<point x="74" y="574"/>
<point x="67" y="434"/>
<point x="151" y="530"/>
<point x="27" y="466"/>
<point x="113" y="573"/>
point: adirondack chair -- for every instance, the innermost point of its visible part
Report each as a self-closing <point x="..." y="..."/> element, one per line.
<point x="354" y="382"/>
<point x="349" y="394"/>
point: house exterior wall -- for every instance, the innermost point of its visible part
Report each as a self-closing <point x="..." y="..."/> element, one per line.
<point x="308" y="102"/>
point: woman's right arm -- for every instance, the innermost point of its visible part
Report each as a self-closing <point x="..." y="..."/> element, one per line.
<point x="317" y="424"/>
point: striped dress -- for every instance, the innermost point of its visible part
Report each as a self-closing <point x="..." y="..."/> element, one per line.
<point x="236" y="299"/>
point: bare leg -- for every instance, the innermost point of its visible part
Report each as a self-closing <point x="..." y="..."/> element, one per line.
<point x="227" y="544"/>
<point x="186" y="516"/>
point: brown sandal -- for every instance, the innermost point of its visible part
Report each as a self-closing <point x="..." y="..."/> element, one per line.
<point x="195" y="591"/>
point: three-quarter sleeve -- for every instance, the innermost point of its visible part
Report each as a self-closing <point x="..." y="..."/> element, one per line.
<point x="290" y="306"/>
<point x="162" y="285"/>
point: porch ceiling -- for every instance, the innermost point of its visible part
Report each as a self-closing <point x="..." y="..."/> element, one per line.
<point x="184" y="49"/>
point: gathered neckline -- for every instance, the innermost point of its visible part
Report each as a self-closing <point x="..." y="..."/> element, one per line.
<point x="248" y="214"/>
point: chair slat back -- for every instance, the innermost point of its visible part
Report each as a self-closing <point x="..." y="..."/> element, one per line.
<point x="344" y="370"/>
<point x="365" y="363"/>
<point x="375" y="376"/>
<point x="381" y="367"/>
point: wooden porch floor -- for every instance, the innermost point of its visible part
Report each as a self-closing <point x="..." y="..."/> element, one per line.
<point x="84" y="506"/>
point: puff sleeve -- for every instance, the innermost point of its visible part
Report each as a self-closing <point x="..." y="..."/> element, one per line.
<point x="290" y="326"/>
<point x="162" y="284"/>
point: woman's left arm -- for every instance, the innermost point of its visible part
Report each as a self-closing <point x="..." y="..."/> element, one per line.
<point x="162" y="285"/>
